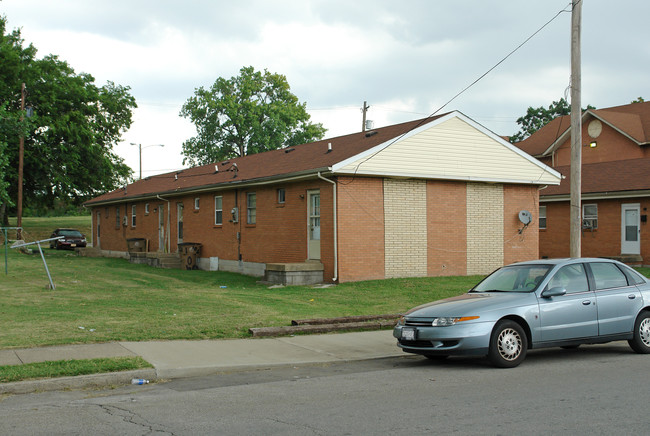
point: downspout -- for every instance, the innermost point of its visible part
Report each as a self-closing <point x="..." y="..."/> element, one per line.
<point x="169" y="248"/>
<point x="336" y="256"/>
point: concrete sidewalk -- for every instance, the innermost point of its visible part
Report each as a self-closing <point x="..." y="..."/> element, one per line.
<point x="177" y="359"/>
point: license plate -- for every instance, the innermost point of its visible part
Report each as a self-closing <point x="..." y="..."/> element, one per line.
<point x="408" y="334"/>
<point x="73" y="245"/>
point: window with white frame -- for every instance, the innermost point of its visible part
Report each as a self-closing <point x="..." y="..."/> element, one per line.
<point x="133" y="216"/>
<point x="146" y="208"/>
<point x="196" y="203"/>
<point x="589" y="216"/>
<point x="218" y="210"/>
<point x="117" y="217"/>
<point x="251" y="208"/>
<point x="542" y="217"/>
<point x="282" y="195"/>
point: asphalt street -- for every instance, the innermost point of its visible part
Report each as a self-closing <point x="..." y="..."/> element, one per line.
<point x="592" y="390"/>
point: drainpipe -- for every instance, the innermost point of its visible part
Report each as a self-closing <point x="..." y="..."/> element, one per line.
<point x="169" y="248"/>
<point x="336" y="256"/>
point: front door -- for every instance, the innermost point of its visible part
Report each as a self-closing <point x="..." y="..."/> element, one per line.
<point x="179" y="216"/>
<point x="313" y="247"/>
<point x="573" y="315"/>
<point x="161" y="228"/>
<point x="630" y="229"/>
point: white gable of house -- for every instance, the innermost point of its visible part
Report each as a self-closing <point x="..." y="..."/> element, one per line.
<point x="452" y="147"/>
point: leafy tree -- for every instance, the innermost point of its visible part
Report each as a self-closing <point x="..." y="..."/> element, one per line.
<point x="6" y="122"/>
<point x="536" y="118"/>
<point x="639" y="100"/>
<point x="70" y="138"/>
<point x="246" y="114"/>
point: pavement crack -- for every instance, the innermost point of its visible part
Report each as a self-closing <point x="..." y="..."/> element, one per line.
<point x="131" y="417"/>
<point x="314" y="430"/>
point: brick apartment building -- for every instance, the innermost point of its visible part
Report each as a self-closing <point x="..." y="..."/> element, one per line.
<point x="615" y="183"/>
<point x="438" y="196"/>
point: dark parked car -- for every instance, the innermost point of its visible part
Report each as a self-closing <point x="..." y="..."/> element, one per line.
<point x="544" y="303"/>
<point x="71" y="238"/>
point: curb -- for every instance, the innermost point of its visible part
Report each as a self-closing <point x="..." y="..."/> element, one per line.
<point x="258" y="332"/>
<point x="77" y="382"/>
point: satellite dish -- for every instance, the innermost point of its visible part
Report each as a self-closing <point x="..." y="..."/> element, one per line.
<point x="525" y="217"/>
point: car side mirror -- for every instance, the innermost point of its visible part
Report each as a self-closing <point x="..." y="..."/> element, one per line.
<point x="554" y="292"/>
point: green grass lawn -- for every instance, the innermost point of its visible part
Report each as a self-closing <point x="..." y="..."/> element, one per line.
<point x="101" y="299"/>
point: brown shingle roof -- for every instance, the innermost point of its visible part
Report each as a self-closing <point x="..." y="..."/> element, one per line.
<point x="631" y="119"/>
<point x="606" y="177"/>
<point x="286" y="162"/>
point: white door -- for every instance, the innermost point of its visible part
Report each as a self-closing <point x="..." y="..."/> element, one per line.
<point x="179" y="216"/>
<point x="313" y="224"/>
<point x="630" y="229"/>
<point x="161" y="228"/>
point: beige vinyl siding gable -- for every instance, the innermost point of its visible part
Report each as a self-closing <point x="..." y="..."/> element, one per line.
<point x="453" y="149"/>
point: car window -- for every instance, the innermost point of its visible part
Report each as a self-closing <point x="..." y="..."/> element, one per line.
<point x="633" y="276"/>
<point x="516" y="278"/>
<point x="70" y="233"/>
<point x="570" y="277"/>
<point x="607" y="275"/>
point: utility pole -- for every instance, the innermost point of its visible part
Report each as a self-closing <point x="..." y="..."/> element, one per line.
<point x="364" y="110"/>
<point x="576" y="132"/>
<point x="21" y="153"/>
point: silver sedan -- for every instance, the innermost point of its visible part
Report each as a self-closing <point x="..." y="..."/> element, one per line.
<point x="537" y="304"/>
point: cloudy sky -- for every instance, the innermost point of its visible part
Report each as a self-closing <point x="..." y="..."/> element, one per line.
<point x="405" y="58"/>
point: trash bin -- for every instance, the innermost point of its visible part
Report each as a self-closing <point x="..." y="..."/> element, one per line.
<point x="188" y="252"/>
<point x="136" y="245"/>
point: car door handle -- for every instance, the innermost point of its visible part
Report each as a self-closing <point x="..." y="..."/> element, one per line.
<point x="631" y="296"/>
<point x="586" y="302"/>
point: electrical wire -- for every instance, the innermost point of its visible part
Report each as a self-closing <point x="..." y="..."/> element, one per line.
<point x="424" y="120"/>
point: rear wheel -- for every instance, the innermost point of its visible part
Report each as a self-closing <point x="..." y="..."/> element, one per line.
<point x="508" y="344"/>
<point x="640" y="342"/>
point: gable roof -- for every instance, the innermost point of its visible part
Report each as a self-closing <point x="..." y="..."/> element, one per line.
<point x="631" y="120"/>
<point x="452" y="147"/>
<point x="353" y="154"/>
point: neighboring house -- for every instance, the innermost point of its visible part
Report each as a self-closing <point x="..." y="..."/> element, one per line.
<point x="438" y="196"/>
<point x="615" y="183"/>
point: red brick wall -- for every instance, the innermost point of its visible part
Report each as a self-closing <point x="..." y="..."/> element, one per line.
<point x="611" y="146"/>
<point x="525" y="245"/>
<point x="279" y="235"/>
<point x="446" y="228"/>
<point x="602" y="242"/>
<point x="361" y="228"/>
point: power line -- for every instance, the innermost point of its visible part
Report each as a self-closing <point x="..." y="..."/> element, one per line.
<point x="468" y="86"/>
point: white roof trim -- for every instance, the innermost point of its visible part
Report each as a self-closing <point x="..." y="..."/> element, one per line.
<point x="562" y="138"/>
<point x="377" y="148"/>
<point x="440" y="177"/>
<point x="337" y="168"/>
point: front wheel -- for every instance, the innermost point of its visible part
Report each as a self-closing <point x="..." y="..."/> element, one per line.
<point x="508" y="344"/>
<point x="640" y="342"/>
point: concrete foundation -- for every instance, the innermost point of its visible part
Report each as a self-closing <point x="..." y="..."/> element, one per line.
<point x="308" y="273"/>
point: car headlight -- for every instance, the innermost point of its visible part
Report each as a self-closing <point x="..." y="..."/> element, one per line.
<point x="447" y="321"/>
<point x="401" y="321"/>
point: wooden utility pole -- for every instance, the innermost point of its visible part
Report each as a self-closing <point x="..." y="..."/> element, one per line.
<point x="576" y="132"/>
<point x="364" y="110"/>
<point x="21" y="153"/>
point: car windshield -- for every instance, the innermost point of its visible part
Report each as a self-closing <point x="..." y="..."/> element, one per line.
<point x="70" y="233"/>
<point x="513" y="278"/>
